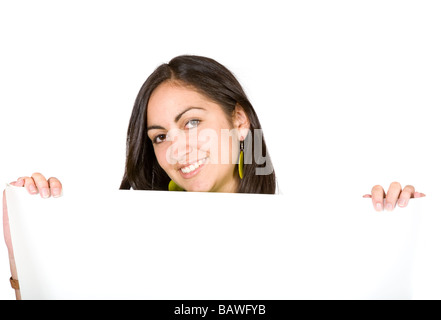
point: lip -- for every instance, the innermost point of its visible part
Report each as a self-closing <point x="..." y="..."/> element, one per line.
<point x="193" y="173"/>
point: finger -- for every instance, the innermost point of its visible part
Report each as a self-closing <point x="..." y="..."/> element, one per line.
<point x="20" y="182"/>
<point x="405" y="196"/>
<point x="418" y="195"/>
<point x="378" y="197"/>
<point x="55" y="187"/>
<point x="30" y="186"/>
<point x="42" y="185"/>
<point x="392" y="195"/>
<point x="367" y="196"/>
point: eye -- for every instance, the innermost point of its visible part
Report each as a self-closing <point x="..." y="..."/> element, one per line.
<point x="192" y="124"/>
<point x="159" y="138"/>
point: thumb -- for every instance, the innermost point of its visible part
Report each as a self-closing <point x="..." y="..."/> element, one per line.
<point x="418" y="195"/>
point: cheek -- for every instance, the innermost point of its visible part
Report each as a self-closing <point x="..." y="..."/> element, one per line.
<point x="205" y="143"/>
<point x="161" y="156"/>
<point x="228" y="145"/>
<point x="220" y="144"/>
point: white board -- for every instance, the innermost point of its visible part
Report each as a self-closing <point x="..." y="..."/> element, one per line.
<point x="178" y="245"/>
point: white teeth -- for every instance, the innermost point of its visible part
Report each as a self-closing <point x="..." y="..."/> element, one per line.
<point x="193" y="166"/>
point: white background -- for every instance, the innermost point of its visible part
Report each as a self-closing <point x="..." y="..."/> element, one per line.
<point x="347" y="91"/>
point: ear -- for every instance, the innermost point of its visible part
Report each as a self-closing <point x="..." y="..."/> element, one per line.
<point x="241" y="121"/>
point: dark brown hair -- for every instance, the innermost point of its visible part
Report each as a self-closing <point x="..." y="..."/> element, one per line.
<point x="210" y="78"/>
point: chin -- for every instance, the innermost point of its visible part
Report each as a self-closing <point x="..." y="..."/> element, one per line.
<point x="198" y="187"/>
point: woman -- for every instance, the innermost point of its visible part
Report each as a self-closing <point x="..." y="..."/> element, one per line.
<point x="197" y="122"/>
<point x="193" y="128"/>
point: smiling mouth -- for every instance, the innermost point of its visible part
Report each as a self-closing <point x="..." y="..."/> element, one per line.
<point x="192" y="167"/>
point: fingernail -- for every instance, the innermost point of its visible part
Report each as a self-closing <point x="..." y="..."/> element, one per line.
<point x="379" y="207"/>
<point x="56" y="192"/>
<point x="45" y="193"/>
<point x="32" y="189"/>
<point x="389" y="207"/>
<point x="402" y="202"/>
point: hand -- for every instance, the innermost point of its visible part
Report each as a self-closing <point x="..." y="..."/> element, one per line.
<point x="395" y="194"/>
<point x="37" y="183"/>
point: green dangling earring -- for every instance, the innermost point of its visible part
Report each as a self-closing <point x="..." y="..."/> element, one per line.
<point x="172" y="186"/>
<point x="241" y="159"/>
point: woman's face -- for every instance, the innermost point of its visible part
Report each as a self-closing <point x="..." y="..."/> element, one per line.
<point x="195" y="142"/>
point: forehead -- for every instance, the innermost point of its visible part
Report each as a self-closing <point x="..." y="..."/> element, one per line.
<point x="169" y="99"/>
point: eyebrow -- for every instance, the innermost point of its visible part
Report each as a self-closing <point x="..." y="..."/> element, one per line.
<point x="186" y="110"/>
<point x="155" y="127"/>
<point x="177" y="118"/>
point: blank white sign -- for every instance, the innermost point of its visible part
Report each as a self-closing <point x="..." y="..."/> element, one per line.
<point x="179" y="245"/>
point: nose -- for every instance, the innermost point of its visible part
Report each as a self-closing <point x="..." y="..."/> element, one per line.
<point x="180" y="147"/>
